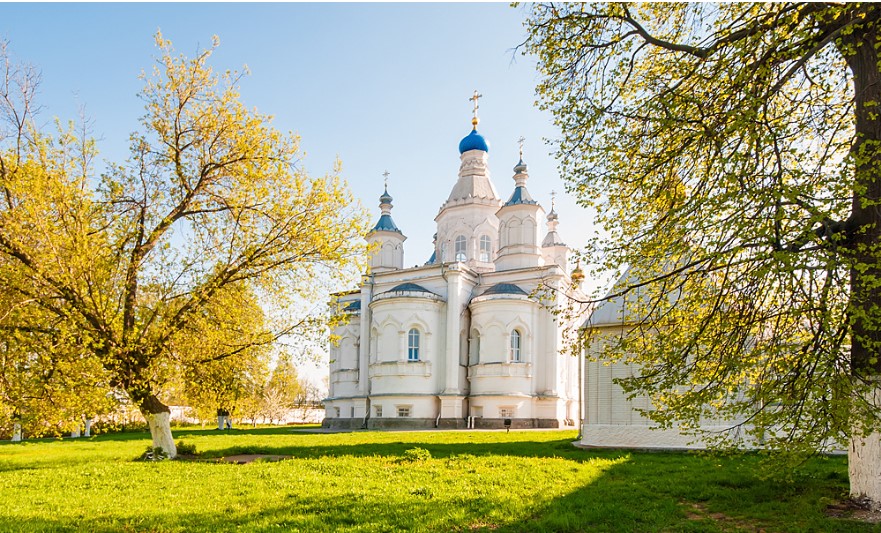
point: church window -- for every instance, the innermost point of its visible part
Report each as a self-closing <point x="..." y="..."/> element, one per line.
<point x="460" y="248"/>
<point x="336" y="411"/>
<point x="515" y="346"/>
<point x="485" y="245"/>
<point x="413" y="345"/>
<point x="378" y="410"/>
<point x="506" y="412"/>
<point x="403" y="411"/>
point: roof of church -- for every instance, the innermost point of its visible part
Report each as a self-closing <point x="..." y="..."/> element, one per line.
<point x="505" y="288"/>
<point x="409" y="287"/>
<point x="386" y="223"/>
<point x="473" y="141"/>
<point x="353" y="306"/>
<point x="552" y="239"/>
<point x="520" y="196"/>
<point x="433" y="259"/>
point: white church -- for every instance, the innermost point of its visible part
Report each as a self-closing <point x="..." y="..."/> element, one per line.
<point x="468" y="339"/>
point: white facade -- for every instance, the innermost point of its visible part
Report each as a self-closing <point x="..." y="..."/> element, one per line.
<point x="469" y="338"/>
<point x="610" y="418"/>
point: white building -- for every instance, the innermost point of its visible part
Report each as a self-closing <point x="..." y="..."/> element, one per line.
<point x="611" y="419"/>
<point x="469" y="337"/>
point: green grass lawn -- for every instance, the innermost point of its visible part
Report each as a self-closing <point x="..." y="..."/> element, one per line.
<point x="368" y="481"/>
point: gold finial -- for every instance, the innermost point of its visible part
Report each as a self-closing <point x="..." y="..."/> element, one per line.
<point x="474" y="99"/>
<point x="577" y="275"/>
<point x="520" y="141"/>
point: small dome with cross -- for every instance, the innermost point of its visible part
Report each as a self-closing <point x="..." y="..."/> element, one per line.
<point x="473" y="141"/>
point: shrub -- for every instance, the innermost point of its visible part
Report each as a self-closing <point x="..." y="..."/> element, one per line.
<point x="186" y="448"/>
<point x="416" y="454"/>
<point x="154" y="454"/>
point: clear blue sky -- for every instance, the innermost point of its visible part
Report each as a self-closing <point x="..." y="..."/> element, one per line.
<point x="381" y="86"/>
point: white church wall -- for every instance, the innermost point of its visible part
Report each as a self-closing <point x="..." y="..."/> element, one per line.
<point x="495" y="320"/>
<point x="613" y="420"/>
<point x="392" y="372"/>
<point x="472" y="222"/>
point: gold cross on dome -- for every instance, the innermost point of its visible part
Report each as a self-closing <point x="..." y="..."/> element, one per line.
<point x="474" y="99"/>
<point x="520" y="141"/>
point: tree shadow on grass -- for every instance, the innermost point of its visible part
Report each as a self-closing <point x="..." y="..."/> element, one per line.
<point x="560" y="448"/>
<point x="661" y="492"/>
<point x="646" y="492"/>
<point x="298" y="513"/>
<point x="633" y="492"/>
<point x="191" y="432"/>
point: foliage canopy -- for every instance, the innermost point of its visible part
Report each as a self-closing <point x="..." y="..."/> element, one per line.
<point x="731" y="151"/>
<point x="164" y="260"/>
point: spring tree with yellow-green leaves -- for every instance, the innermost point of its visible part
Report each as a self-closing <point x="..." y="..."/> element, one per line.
<point x="129" y="269"/>
<point x="732" y="152"/>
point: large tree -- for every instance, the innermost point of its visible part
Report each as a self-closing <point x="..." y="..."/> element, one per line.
<point x="129" y="263"/>
<point x="732" y="154"/>
<point x="223" y="358"/>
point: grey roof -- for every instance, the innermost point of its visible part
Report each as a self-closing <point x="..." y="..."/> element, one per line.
<point x="552" y="239"/>
<point x="505" y="288"/>
<point x="630" y="307"/>
<point x="386" y="223"/>
<point x="409" y="287"/>
<point x="520" y="196"/>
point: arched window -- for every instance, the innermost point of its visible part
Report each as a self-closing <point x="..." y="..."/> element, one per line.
<point x="515" y="346"/>
<point x="485" y="250"/>
<point x="413" y="345"/>
<point x="460" y="248"/>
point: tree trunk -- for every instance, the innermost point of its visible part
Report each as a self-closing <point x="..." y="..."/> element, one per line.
<point x="864" y="463"/>
<point x="158" y="417"/>
<point x="864" y="250"/>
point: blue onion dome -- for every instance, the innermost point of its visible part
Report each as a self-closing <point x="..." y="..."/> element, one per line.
<point x="473" y="141"/>
<point x="386" y="198"/>
<point x="520" y="167"/>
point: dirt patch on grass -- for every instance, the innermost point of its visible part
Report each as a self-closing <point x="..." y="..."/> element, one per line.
<point x="854" y="510"/>
<point x="244" y="459"/>
<point x="698" y="511"/>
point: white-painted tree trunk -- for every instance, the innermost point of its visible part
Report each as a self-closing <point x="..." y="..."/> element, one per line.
<point x="864" y="462"/>
<point x="221" y="421"/>
<point x="864" y="467"/>
<point x="160" y="431"/>
<point x="88" y="430"/>
<point x="75" y="433"/>
<point x="16" y="432"/>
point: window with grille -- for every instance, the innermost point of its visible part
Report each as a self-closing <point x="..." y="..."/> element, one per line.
<point x="506" y="412"/>
<point x="377" y="409"/>
<point x="485" y="248"/>
<point x="413" y="345"/>
<point x="403" y="411"/>
<point x="460" y="248"/>
<point x="515" y="346"/>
